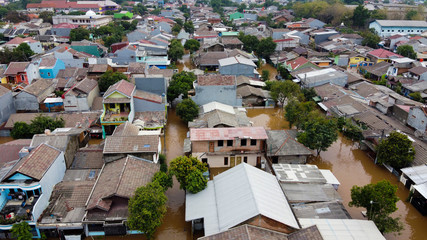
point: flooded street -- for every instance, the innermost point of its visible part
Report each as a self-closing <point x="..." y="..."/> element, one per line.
<point x="270" y="68"/>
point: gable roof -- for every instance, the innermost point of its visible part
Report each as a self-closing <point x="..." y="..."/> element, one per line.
<point x="418" y="70"/>
<point x="382" y="53"/>
<point x="131" y="144"/>
<point x="36" y="164"/>
<point x="283" y="143"/>
<point x="121" y="178"/>
<point x="38" y="87"/>
<point x="223" y="205"/>
<point x="86" y="85"/>
<point x="212" y="134"/>
<point x="236" y="60"/>
<point x="124" y="87"/>
<point x="19" y="40"/>
<point x="16" y="67"/>
<point x="147" y="96"/>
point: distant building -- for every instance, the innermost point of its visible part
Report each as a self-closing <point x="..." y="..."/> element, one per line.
<point x="385" y="28"/>
<point x="90" y="19"/>
<point x="320" y="77"/>
<point x="238" y="66"/>
<point x="219" y="88"/>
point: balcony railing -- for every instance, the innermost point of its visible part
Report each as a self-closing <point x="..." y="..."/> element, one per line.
<point x="16" y="210"/>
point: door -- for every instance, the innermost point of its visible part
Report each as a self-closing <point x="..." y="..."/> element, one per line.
<point x="211" y="146"/>
<point x="232" y="161"/>
<point x="258" y="161"/>
<point x="238" y="160"/>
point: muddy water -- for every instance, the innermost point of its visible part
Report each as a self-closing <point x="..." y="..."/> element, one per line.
<point x="270" y="68"/>
<point x="353" y="167"/>
<point x="5" y="139"/>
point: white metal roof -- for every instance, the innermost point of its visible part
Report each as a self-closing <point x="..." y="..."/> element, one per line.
<point x="237" y="195"/>
<point x="236" y="60"/>
<point x="417" y="174"/>
<point x="208" y="107"/>
<point x="329" y="176"/>
<point x="402" y="60"/>
<point x="53" y="100"/>
<point x="343" y="229"/>
<point x="402" y="23"/>
<point x="422" y="189"/>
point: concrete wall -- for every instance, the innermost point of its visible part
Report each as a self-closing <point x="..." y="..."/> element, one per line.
<point x="294" y="159"/>
<point x="32" y="72"/>
<point x="26" y="102"/>
<point x="203" y="146"/>
<point x="417" y="119"/>
<point x="6" y="106"/>
<point x="216" y="161"/>
<point x="36" y="47"/>
<point x="389" y="31"/>
<point x="82" y="103"/>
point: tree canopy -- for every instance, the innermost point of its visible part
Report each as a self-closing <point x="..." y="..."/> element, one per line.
<point x="21" y="231"/>
<point x="189" y="173"/>
<point x="370" y="39"/>
<point x="360" y="16"/>
<point x="379" y="199"/>
<point x="192" y="45"/>
<point x="282" y="90"/>
<point x="147" y="208"/>
<point x="78" y="34"/>
<point x="189" y="27"/>
<point x="176" y="50"/>
<point x="109" y="78"/>
<point x="22" y="53"/>
<point x="181" y="83"/>
<point x="266" y="48"/>
<point x="396" y="150"/>
<point x="38" y="125"/>
<point x="406" y="51"/>
<point x="46" y="16"/>
<point x="187" y="110"/>
<point x="298" y="113"/>
<point x="319" y="133"/>
<point x="250" y="42"/>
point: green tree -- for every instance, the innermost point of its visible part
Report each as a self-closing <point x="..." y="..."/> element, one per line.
<point x="360" y="16"/>
<point x="250" y="42"/>
<point x="21" y="130"/>
<point x="176" y="29"/>
<point x="406" y="51"/>
<point x="46" y="16"/>
<point x="176" y="50"/>
<point x="416" y="96"/>
<point x="349" y="130"/>
<point x="23" y="51"/>
<point x="21" y="231"/>
<point x="266" y="48"/>
<point x="265" y="76"/>
<point x="78" y="34"/>
<point x="319" y="133"/>
<point x="187" y="110"/>
<point x="411" y="14"/>
<point x="396" y="150"/>
<point x="189" y="27"/>
<point x="109" y="78"/>
<point x="282" y="90"/>
<point x="309" y="93"/>
<point x="147" y="208"/>
<point x="370" y="39"/>
<point x="192" y="45"/>
<point x="283" y="72"/>
<point x="164" y="179"/>
<point x="380" y="201"/>
<point x="181" y="83"/>
<point x="188" y="171"/>
<point x="299" y="112"/>
<point x="139" y="9"/>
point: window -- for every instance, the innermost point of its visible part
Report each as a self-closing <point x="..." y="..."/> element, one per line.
<point x="220" y="143"/>
<point x="226" y="161"/>
<point x="229" y="143"/>
<point x="245" y="159"/>
<point x="253" y="142"/>
<point x="48" y="74"/>
<point x="112" y="105"/>
<point x="204" y="160"/>
<point x="243" y="142"/>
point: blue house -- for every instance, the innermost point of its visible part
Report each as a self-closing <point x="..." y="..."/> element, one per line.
<point x="26" y="186"/>
<point x="385" y="28"/>
<point x="49" y="67"/>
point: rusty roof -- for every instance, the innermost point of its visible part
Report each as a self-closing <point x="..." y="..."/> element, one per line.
<point x="216" y="80"/>
<point x="36" y="164"/>
<point x="137" y="67"/>
<point x="88" y="157"/>
<point x="121" y="178"/>
<point x="123" y="87"/>
<point x="47" y="62"/>
<point x="131" y="144"/>
<point x="207" y="134"/>
<point x="98" y="68"/>
<point x="16" y="67"/>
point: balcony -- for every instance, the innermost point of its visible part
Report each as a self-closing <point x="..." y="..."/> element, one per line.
<point x="17" y="207"/>
<point x="115" y="117"/>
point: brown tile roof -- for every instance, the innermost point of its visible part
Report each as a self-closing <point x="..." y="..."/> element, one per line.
<point x="3" y="90"/>
<point x="418" y="70"/>
<point x="143" y="95"/>
<point x="36" y="164"/>
<point x="136" y="67"/>
<point x="126" y="129"/>
<point x="98" y="68"/>
<point x="310" y="233"/>
<point x="88" y="157"/>
<point x="216" y="80"/>
<point x="47" y="62"/>
<point x="86" y="85"/>
<point x="231" y="40"/>
<point x="246" y="91"/>
<point x="10" y="150"/>
<point x="16" y="67"/>
<point x="123" y="87"/>
<point x="38" y="87"/>
<point x="121" y="178"/>
<point x="212" y="58"/>
<point x="131" y="144"/>
<point x="167" y="73"/>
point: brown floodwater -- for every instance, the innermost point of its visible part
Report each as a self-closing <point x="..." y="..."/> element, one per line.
<point x="5" y="139"/>
<point x="270" y="68"/>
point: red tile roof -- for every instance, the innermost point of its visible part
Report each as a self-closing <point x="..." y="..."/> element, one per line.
<point x="382" y="53"/>
<point x="209" y="134"/>
<point x="296" y="63"/>
<point x="19" y="40"/>
<point x="15" y="68"/>
<point x="122" y="86"/>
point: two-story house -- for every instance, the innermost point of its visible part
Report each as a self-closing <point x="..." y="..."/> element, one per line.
<point x="27" y="184"/>
<point x="238" y="66"/>
<point x="227" y="147"/>
<point x="80" y="97"/>
<point x="21" y="72"/>
<point x="50" y="66"/>
<point x="417" y="118"/>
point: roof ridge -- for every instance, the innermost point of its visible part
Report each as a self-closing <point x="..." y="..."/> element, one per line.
<point x="245" y="166"/>
<point x="283" y="144"/>
<point x="121" y="176"/>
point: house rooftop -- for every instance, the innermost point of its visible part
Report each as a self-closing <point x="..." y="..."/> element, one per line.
<point x="16" y="67"/>
<point x="402" y="23"/>
<point x="417" y="174"/>
<point x="283" y="143"/>
<point x="124" y="87"/>
<point x="216" y="80"/>
<point x="236" y="60"/>
<point x="131" y="144"/>
<point x="36" y="88"/>
<point x="383" y="54"/>
<point x="212" y="134"/>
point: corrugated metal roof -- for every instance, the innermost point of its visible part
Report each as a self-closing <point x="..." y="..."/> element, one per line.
<point x="401" y="23"/>
<point x="236" y="60"/>
<point x="333" y="229"/>
<point x="417" y="174"/>
<point x="237" y="195"/>
<point x="217" y="106"/>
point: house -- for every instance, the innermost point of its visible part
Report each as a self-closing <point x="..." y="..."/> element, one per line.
<point x="90" y="19"/>
<point x="214" y="87"/>
<point x="89" y="47"/>
<point x="419" y="197"/>
<point x="282" y="147"/>
<point x="33" y="95"/>
<point x="126" y="55"/>
<point x="118" y="106"/>
<point x="412" y="176"/>
<point x="6" y="104"/>
<point x="228" y="147"/>
<point x="72" y="58"/>
<point x="354" y="228"/>
<point x="69" y="77"/>
<point x="298" y="64"/>
<point x="319" y="77"/>
<point x="314" y="23"/>
<point x="137" y="35"/>
<point x="254" y="96"/>
<point x="419" y="73"/>
<point x="10" y="150"/>
<point x="236" y="15"/>
<point x="417" y="118"/>
<point x="80" y="97"/>
<point x="392" y="41"/>
<point x="21" y="72"/>
<point x="385" y="28"/>
<point x="287" y="43"/>
<point x="27" y="184"/>
<point x="62" y="31"/>
<point x="35" y="45"/>
<point x="145" y="101"/>
<point x="232" y="198"/>
<point x="283" y="18"/>
<point x="232" y="43"/>
<point x="380" y="55"/>
<point x="127" y="139"/>
<point x="277" y="33"/>
<point x="238" y="66"/>
<point x="208" y="60"/>
<point x="354" y="59"/>
<point x="107" y="205"/>
<point x="49" y="67"/>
